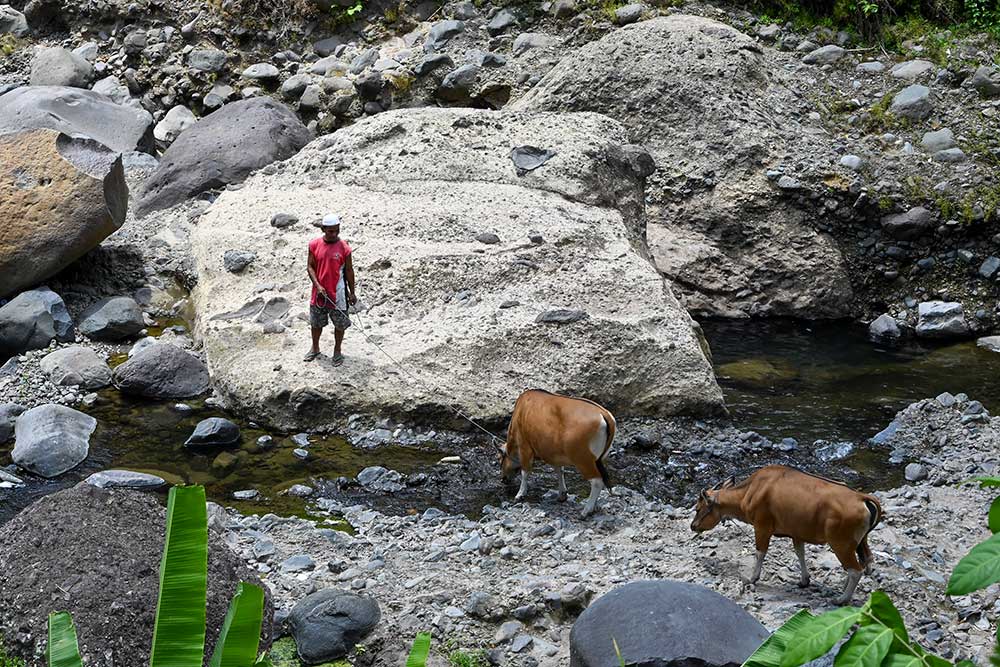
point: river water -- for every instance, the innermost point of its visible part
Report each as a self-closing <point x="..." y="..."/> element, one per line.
<point x="780" y="378"/>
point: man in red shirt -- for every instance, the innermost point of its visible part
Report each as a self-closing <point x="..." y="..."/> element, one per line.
<point x="332" y="274"/>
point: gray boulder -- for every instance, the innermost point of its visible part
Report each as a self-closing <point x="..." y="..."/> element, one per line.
<point x="162" y="371"/>
<point x="207" y="60"/>
<point x="662" y="623"/>
<point x="77" y="112"/>
<point x="884" y="327"/>
<point x="991" y="343"/>
<point x="938" y="140"/>
<point x="31" y="320"/>
<point x="77" y="365"/>
<point x="913" y="102"/>
<point x="941" y="319"/>
<point x="629" y="13"/>
<point x="457" y="84"/>
<point x="56" y="66"/>
<point x="12" y="22"/>
<point x="911" y="70"/>
<point x="824" y="55"/>
<point x="8" y="415"/>
<point x="910" y="225"/>
<point x="986" y="81"/>
<point x="214" y="431"/>
<point x="223" y="148"/>
<point x="51" y="439"/>
<point x="112" y="319"/>
<point x="441" y="33"/>
<point x="125" y="479"/>
<point x="178" y="119"/>
<point x="326" y="625"/>
<point x="261" y="72"/>
<point x="236" y="260"/>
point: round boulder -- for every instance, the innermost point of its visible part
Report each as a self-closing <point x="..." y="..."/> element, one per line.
<point x="214" y="431"/>
<point x="660" y="623"/>
<point x="51" y="439"/>
<point x="162" y="371"/>
<point x="56" y="66"/>
<point x="327" y="624"/>
<point x="77" y="365"/>
<point x="112" y="319"/>
<point x="31" y="320"/>
<point x="96" y="554"/>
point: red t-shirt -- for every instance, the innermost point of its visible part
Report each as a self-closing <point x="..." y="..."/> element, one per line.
<point x="330" y="259"/>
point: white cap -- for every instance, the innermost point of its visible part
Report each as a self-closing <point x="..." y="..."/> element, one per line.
<point x="330" y="220"/>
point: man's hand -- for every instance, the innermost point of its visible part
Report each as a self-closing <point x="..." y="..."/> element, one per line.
<point x="321" y="291"/>
<point x="352" y="299"/>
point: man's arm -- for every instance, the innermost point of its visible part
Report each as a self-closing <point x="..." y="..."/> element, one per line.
<point x="312" y="274"/>
<point x="349" y="274"/>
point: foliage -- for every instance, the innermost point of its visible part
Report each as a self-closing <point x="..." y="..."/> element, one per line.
<point x="9" y="44"/>
<point x="467" y="659"/>
<point x="419" y="651"/>
<point x="876" y="634"/>
<point x="179" y="629"/>
<point x="7" y="660"/>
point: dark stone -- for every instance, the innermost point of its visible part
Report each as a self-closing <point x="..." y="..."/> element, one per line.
<point x="432" y="62"/>
<point x="457" y="85"/>
<point x="326" y="625"/>
<point x="910" y="225"/>
<point x="561" y="316"/>
<point x="75" y="111"/>
<point x="503" y="20"/>
<point x="31" y="320"/>
<point x="214" y="431"/>
<point x="282" y="220"/>
<point x="441" y="33"/>
<point x="52" y="439"/>
<point x="529" y="158"/>
<point x="8" y="415"/>
<point x="162" y="371"/>
<point x="222" y="148"/>
<point x="235" y="261"/>
<point x="112" y="319"/>
<point x="105" y="546"/>
<point x="489" y="238"/>
<point x="664" y="623"/>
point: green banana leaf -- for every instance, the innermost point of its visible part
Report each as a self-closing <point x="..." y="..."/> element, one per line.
<point x="63" y="650"/>
<point x="179" y="633"/>
<point x="240" y="635"/>
<point x="769" y="653"/>
<point x="420" y="650"/>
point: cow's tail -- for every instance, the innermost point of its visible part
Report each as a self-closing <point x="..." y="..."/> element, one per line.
<point x="874" y="518"/>
<point x="609" y="422"/>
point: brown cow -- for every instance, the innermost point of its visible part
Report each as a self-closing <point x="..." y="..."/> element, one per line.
<point x="785" y="502"/>
<point x="561" y="431"/>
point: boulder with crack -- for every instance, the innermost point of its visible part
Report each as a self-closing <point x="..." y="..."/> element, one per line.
<point x="733" y="242"/>
<point x="59" y="197"/>
<point x="414" y="189"/>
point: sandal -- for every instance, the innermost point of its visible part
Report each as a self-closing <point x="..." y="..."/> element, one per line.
<point x="310" y="356"/>
<point x="338" y="359"/>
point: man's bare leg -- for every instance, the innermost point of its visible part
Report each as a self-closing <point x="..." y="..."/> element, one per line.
<point x="338" y="339"/>
<point x="315" y="336"/>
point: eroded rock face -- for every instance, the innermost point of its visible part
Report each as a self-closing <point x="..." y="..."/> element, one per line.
<point x="59" y="197"/>
<point x="77" y="112"/>
<point x="222" y="148"/>
<point x="414" y="189"/>
<point x="733" y="242"/>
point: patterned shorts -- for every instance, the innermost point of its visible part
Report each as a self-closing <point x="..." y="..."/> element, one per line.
<point x="318" y="317"/>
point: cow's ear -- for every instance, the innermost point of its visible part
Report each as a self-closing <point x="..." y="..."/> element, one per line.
<point x="729" y="482"/>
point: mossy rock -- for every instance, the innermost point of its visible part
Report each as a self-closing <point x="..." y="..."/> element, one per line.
<point x="284" y="654"/>
<point x="759" y="371"/>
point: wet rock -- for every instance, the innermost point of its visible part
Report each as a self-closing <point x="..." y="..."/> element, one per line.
<point x="377" y="478"/>
<point x="66" y="197"/>
<point x="31" y="320"/>
<point x="51" y="439"/>
<point x="56" y="66"/>
<point x="162" y="371"/>
<point x="77" y="365"/>
<point x="125" y="479"/>
<point x="8" y="415"/>
<point x="326" y="625"/>
<point x="223" y="148"/>
<point x="913" y="102"/>
<point x="941" y="319"/>
<point x="651" y="632"/>
<point x="824" y="55"/>
<point x="832" y="451"/>
<point x="112" y="319"/>
<point x="991" y="343"/>
<point x="884" y="327"/>
<point x="214" y="431"/>
<point x="910" y="225"/>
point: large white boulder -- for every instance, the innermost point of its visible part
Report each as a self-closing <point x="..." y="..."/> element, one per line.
<point x="415" y="188"/>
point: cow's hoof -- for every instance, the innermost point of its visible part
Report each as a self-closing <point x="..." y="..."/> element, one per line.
<point x="518" y="498"/>
<point x="803" y="583"/>
<point x="587" y="512"/>
<point x="562" y="497"/>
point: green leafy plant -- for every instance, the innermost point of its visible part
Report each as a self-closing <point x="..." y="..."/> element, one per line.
<point x="7" y="660"/>
<point x="419" y="651"/>
<point x="461" y="658"/>
<point x="876" y="634"/>
<point x="179" y="629"/>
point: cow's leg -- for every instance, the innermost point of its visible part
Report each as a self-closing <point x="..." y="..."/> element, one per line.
<point x="848" y="557"/>
<point x="596" y="486"/>
<point x="865" y="553"/>
<point x="560" y="473"/>
<point x="527" y="458"/>
<point x="523" y="490"/>
<point x="762" y="539"/>
<point x="800" y="551"/>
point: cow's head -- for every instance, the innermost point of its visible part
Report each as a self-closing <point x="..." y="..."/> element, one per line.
<point x="510" y="464"/>
<point x="706" y="512"/>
